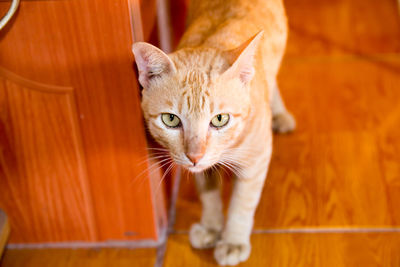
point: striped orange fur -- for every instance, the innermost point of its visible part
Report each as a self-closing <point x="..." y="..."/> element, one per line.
<point x="225" y="67"/>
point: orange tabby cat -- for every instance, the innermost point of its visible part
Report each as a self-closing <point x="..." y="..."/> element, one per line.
<point x="214" y="102"/>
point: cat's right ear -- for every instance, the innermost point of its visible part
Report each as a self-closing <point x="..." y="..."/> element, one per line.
<point x="151" y="62"/>
<point x="242" y="59"/>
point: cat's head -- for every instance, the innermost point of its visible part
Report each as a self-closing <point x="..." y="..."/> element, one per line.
<point x="196" y="101"/>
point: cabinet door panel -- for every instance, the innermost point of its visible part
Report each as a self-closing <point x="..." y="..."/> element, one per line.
<point x="86" y="45"/>
<point x="43" y="176"/>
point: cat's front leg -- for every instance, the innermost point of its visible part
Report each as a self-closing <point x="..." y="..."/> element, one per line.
<point x="207" y="232"/>
<point x="234" y="246"/>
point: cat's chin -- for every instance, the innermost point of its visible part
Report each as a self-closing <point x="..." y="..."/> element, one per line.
<point x="196" y="169"/>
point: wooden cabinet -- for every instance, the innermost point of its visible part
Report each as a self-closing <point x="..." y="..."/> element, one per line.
<point x="73" y="155"/>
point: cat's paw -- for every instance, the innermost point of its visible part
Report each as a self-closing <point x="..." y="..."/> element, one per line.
<point x="231" y="254"/>
<point x="283" y="122"/>
<point x="202" y="237"/>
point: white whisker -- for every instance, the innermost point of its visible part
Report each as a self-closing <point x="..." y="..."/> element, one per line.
<point x="156" y="148"/>
<point x="152" y="158"/>
<point x="237" y="171"/>
<point x="164" y="175"/>
<point x="150" y="168"/>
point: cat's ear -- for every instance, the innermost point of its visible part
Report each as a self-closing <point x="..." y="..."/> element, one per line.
<point x="151" y="62"/>
<point x="242" y="59"/>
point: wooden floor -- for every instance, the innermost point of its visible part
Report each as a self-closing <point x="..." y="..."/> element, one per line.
<point x="105" y="257"/>
<point x="327" y="250"/>
<point x="332" y="197"/>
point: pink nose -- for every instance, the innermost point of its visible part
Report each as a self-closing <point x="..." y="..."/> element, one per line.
<point x="195" y="158"/>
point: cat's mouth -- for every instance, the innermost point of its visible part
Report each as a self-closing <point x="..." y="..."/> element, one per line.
<point x="200" y="166"/>
<point x="196" y="168"/>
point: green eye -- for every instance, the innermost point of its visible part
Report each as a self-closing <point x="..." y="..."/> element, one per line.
<point x="170" y="120"/>
<point x="220" y="120"/>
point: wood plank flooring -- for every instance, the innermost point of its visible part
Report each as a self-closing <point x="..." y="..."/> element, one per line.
<point x="326" y="249"/>
<point x="332" y="195"/>
<point x="105" y="257"/>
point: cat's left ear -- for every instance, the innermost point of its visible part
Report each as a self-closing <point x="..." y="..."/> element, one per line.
<point x="151" y="62"/>
<point x="242" y="59"/>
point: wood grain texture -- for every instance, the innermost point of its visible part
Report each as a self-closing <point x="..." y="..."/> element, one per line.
<point x="331" y="171"/>
<point x="42" y="166"/>
<point x="85" y="45"/>
<point x="79" y="257"/>
<point x="342" y="27"/>
<point x="325" y="250"/>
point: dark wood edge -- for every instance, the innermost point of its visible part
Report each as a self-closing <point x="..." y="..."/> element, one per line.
<point x="4" y="231"/>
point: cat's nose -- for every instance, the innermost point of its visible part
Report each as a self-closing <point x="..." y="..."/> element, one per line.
<point x="195" y="158"/>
